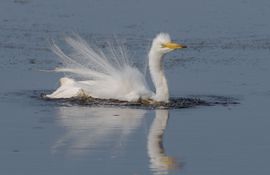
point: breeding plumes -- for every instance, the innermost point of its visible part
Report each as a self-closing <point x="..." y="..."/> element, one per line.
<point x="109" y="74"/>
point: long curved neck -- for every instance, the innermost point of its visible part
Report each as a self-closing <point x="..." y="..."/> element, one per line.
<point x="158" y="76"/>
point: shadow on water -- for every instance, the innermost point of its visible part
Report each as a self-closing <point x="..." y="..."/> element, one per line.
<point x="174" y="103"/>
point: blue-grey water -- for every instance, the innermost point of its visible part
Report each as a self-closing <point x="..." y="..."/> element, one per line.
<point x="228" y="55"/>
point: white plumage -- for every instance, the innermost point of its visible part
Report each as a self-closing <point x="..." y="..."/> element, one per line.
<point x="109" y="75"/>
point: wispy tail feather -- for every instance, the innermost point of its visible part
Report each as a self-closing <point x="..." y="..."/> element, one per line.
<point x="85" y="73"/>
<point x="89" y="63"/>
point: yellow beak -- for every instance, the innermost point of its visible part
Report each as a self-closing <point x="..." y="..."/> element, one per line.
<point x="172" y="45"/>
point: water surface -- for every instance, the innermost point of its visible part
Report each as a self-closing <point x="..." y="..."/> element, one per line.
<point x="228" y="55"/>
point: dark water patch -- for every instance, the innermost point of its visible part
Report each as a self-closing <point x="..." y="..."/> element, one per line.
<point x="15" y="151"/>
<point x="217" y="100"/>
<point x="25" y="97"/>
<point x="23" y="47"/>
<point x="174" y="103"/>
<point x="233" y="43"/>
<point x="21" y="1"/>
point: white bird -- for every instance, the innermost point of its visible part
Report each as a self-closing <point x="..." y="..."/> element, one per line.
<point x="109" y="75"/>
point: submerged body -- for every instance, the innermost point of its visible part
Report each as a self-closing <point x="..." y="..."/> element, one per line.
<point x="112" y="76"/>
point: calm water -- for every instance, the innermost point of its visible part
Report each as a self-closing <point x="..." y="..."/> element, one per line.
<point x="228" y="55"/>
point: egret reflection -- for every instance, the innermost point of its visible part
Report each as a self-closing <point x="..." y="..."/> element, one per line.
<point x="89" y="128"/>
<point x="108" y="129"/>
<point x="160" y="163"/>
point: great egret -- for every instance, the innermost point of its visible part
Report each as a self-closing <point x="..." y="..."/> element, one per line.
<point x="112" y="76"/>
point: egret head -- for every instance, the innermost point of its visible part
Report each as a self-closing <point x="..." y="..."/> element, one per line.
<point x="162" y="44"/>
